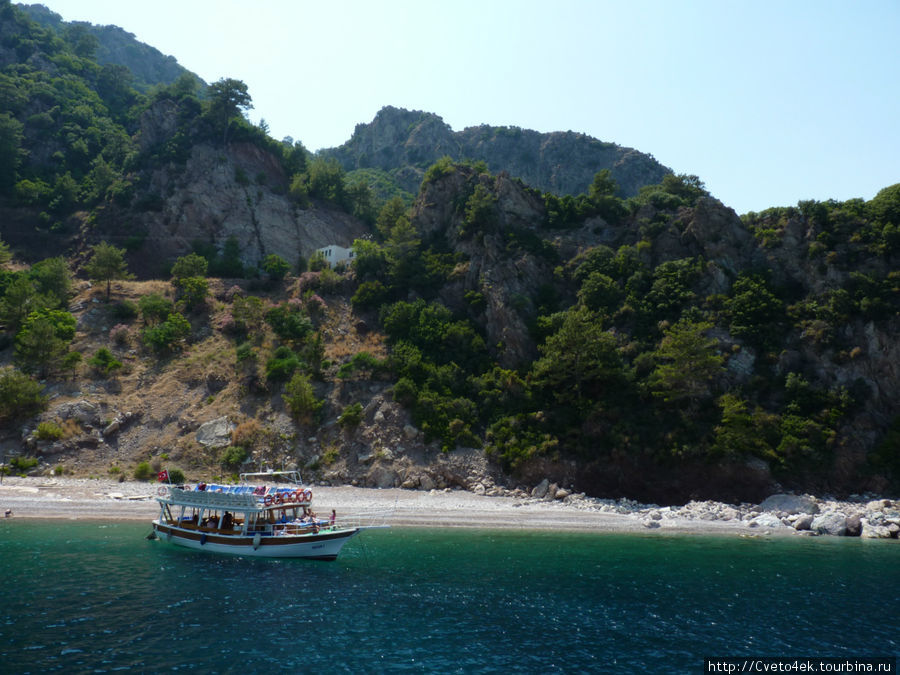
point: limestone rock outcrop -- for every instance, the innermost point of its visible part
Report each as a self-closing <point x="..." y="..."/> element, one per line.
<point x="407" y="142"/>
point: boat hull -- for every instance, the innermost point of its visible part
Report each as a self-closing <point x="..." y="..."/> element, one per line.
<point x="322" y="546"/>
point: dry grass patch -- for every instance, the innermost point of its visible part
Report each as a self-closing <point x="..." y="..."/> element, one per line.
<point x="247" y="433"/>
<point x="343" y="340"/>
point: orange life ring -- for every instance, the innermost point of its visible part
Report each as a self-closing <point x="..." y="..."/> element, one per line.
<point x="267" y="500"/>
<point x="279" y="499"/>
<point x="295" y="496"/>
<point x="307" y="495"/>
<point x="162" y="490"/>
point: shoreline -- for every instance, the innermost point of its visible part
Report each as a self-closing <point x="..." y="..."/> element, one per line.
<point x="110" y="500"/>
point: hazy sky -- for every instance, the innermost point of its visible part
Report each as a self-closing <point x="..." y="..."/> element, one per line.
<point x="769" y="102"/>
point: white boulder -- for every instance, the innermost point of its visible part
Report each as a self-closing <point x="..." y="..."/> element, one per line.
<point x="832" y="523"/>
<point x="215" y="433"/>
<point x="789" y="504"/>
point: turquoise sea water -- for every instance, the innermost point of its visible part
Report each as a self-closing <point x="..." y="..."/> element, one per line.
<point x="98" y="597"/>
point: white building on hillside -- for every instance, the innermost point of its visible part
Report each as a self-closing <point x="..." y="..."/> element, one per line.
<point x="334" y="254"/>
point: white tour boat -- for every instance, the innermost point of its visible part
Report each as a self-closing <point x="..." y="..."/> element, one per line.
<point x="270" y="517"/>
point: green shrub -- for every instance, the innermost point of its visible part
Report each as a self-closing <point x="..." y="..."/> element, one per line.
<point x="124" y="310"/>
<point x="301" y="400"/>
<point x="480" y="211"/>
<point x="369" y="295"/>
<point x="187" y="266"/>
<point x="154" y="308"/>
<point x="70" y="361"/>
<point x="104" y="362"/>
<point x="143" y="471"/>
<point x="42" y="342"/>
<point x="166" y="336"/>
<point x="245" y="352"/>
<point x="289" y="322"/>
<point x="318" y="263"/>
<point x="192" y="290"/>
<point x="443" y="167"/>
<point x="22" y="464"/>
<point x="48" y="431"/>
<point x="282" y="364"/>
<point x="233" y="456"/>
<point x="365" y="362"/>
<point x="352" y="415"/>
<point x="275" y="266"/>
<point x="405" y="392"/>
<point x="20" y="396"/>
<point x="514" y="440"/>
<point x="176" y="476"/>
<point x="330" y="456"/>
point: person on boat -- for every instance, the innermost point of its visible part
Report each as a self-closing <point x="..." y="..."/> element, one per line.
<point x="333" y="517"/>
<point x="227" y="520"/>
<point x="201" y="486"/>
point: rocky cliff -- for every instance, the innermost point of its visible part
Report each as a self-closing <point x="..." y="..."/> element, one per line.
<point x="238" y="191"/>
<point x="404" y="143"/>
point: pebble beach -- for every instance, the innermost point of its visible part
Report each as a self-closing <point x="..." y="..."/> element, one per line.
<point x="104" y="499"/>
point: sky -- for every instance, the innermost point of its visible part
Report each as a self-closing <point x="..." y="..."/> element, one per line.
<point x="768" y="101"/>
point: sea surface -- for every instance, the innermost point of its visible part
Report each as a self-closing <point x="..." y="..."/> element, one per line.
<point x="90" y="597"/>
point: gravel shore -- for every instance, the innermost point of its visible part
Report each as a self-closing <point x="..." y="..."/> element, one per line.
<point x="104" y="499"/>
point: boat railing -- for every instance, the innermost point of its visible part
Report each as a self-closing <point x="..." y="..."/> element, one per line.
<point x="225" y="500"/>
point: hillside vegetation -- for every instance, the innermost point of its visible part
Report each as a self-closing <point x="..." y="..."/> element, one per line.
<point x="643" y="342"/>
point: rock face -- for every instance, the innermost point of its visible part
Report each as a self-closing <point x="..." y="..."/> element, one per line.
<point x="238" y="191"/>
<point x="506" y="281"/>
<point x="407" y="142"/>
